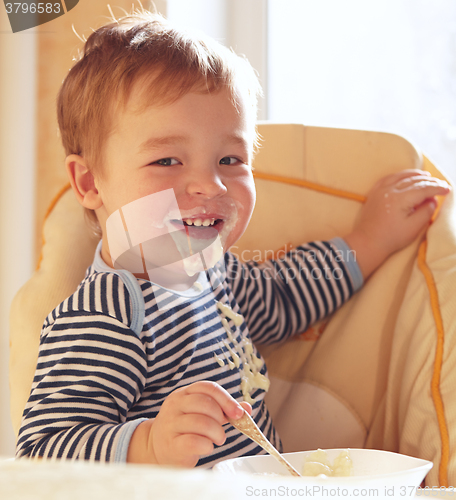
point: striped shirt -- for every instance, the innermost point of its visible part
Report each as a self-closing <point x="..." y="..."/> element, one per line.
<point x="113" y="351"/>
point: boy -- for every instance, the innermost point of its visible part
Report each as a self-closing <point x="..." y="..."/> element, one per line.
<point x="143" y="364"/>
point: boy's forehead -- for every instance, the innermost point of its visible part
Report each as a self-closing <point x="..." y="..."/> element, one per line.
<point x="142" y="98"/>
<point x="147" y="91"/>
<point x="139" y="108"/>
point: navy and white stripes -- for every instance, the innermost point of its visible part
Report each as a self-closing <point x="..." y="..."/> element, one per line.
<point x="97" y="378"/>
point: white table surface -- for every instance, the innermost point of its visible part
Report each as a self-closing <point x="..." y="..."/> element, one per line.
<point x="43" y="480"/>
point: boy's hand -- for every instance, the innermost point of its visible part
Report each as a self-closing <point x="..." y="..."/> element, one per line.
<point x="397" y="209"/>
<point x="188" y="425"/>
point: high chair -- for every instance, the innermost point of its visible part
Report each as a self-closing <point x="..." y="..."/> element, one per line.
<point x="380" y="373"/>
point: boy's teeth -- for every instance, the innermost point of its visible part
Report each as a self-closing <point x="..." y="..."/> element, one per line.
<point x="199" y="222"/>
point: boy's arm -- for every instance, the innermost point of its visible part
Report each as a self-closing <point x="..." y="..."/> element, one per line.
<point x="283" y="297"/>
<point x="87" y="379"/>
<point x="91" y="369"/>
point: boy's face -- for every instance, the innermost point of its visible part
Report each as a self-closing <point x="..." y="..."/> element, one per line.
<point x="199" y="149"/>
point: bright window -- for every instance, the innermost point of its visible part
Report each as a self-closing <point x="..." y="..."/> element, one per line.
<point x="381" y="65"/>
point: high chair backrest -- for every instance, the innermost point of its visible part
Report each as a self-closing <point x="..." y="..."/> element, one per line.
<point x="377" y="376"/>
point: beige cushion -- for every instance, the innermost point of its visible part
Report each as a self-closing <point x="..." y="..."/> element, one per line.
<point x="366" y="380"/>
<point x="68" y="249"/>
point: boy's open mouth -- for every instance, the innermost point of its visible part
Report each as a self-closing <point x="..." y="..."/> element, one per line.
<point x="202" y="228"/>
<point x="201" y="222"/>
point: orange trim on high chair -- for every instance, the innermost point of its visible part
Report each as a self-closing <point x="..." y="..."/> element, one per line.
<point x="310" y="185"/>
<point x="438" y="361"/>
<point x="48" y="212"/>
<point x="435" y="306"/>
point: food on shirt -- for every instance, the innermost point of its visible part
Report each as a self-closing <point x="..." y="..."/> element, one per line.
<point x="242" y="351"/>
<point x="229" y="313"/>
<point x="219" y="359"/>
<point x="318" y="463"/>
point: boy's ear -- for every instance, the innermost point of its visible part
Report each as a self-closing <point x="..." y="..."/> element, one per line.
<point x="83" y="182"/>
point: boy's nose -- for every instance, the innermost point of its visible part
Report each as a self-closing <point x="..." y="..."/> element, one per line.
<point x="206" y="184"/>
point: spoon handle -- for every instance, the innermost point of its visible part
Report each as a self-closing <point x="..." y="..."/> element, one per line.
<point x="247" y="426"/>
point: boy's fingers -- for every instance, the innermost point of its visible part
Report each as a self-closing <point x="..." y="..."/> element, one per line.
<point x="422" y="213"/>
<point x="227" y="403"/>
<point x="201" y="425"/>
<point x="416" y="197"/>
<point x="203" y="404"/>
<point x="198" y="444"/>
<point x="420" y="182"/>
<point x="430" y="204"/>
<point x="391" y="179"/>
<point x="247" y="407"/>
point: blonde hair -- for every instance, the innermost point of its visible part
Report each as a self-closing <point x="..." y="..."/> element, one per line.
<point x="137" y="45"/>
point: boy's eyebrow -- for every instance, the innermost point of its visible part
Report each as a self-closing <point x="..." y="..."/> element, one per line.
<point x="156" y="142"/>
<point x="238" y="140"/>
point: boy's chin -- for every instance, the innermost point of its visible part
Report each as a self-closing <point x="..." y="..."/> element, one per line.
<point x="174" y="278"/>
<point x="184" y="272"/>
<point x="204" y="260"/>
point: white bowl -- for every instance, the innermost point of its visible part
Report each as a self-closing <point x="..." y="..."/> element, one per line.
<point x="373" y="468"/>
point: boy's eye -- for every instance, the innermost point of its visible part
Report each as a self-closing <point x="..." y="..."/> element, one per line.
<point x="229" y="160"/>
<point x="166" y="162"/>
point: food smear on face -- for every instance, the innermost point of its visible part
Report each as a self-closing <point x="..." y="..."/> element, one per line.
<point x="317" y="463"/>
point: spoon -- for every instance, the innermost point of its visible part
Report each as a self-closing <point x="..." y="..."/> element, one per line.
<point x="247" y="426"/>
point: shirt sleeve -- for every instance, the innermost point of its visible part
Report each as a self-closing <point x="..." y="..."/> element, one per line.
<point x="284" y="296"/>
<point x="91" y="370"/>
<point x="348" y="256"/>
